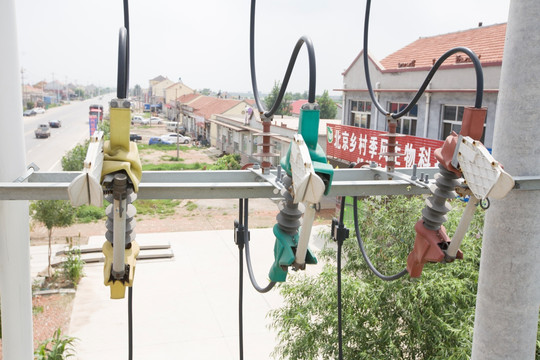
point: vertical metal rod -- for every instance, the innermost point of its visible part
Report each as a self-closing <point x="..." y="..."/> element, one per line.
<point x="463" y="226"/>
<point x="15" y="286"/>
<point x="119" y="225"/>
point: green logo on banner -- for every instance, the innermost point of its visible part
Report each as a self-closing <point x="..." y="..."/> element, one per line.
<point x="329" y="134"/>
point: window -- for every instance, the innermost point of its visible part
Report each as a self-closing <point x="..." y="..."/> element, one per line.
<point x="407" y="123"/>
<point x="360" y="113"/>
<point x="452" y="116"/>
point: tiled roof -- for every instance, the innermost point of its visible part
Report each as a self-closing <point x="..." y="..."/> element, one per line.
<point x="487" y="42"/>
<point x="186" y="99"/>
<point x="159" y="78"/>
<point x="206" y="106"/>
<point x="297" y="105"/>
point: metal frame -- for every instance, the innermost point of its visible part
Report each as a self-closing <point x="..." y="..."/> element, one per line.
<point x="231" y="184"/>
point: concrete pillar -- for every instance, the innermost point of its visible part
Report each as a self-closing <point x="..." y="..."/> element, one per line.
<point x="15" y="284"/>
<point x="506" y="321"/>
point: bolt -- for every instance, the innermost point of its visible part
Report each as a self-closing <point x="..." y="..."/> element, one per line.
<point x="413" y="176"/>
<point x="426" y="179"/>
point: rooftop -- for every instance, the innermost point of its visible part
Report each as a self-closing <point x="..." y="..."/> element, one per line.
<point x="486" y="41"/>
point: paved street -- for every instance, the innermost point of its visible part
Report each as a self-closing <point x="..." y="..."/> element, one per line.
<point x="184" y="308"/>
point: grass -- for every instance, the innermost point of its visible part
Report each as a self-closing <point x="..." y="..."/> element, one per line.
<point x="190" y="206"/>
<point x="163" y="208"/>
<point x="163" y="147"/>
<point x="170" y="158"/>
<point x="88" y="213"/>
<point x="174" y="166"/>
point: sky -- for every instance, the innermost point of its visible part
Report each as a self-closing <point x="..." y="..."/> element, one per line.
<point x="206" y="42"/>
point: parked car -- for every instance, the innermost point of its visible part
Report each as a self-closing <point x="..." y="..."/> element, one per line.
<point x="39" y="110"/>
<point x="155" y="120"/>
<point x="134" y="137"/>
<point x="42" y="131"/>
<point x="136" y="120"/>
<point x="29" y="112"/>
<point x="55" y="123"/>
<point x="172" y="138"/>
<point x="158" y="141"/>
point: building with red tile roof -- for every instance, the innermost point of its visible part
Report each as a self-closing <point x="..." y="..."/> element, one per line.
<point x="396" y="78"/>
<point x="296" y="106"/>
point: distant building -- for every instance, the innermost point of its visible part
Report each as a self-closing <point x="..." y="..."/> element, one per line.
<point x="397" y="77"/>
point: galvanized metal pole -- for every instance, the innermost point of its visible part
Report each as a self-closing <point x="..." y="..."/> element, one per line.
<point x="506" y="321"/>
<point x="15" y="285"/>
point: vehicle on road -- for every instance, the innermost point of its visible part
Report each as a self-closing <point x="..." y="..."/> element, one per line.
<point x="134" y="137"/>
<point x="158" y="141"/>
<point x="55" y="123"/>
<point x="175" y="126"/>
<point x="42" y="131"/>
<point x="136" y="119"/>
<point x="155" y="120"/>
<point x="29" y="112"/>
<point x="39" y="110"/>
<point x="174" y="138"/>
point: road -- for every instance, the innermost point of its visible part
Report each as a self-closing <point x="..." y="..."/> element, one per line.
<point x="47" y="153"/>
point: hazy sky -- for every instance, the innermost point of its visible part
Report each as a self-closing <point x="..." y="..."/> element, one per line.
<point x="206" y="42"/>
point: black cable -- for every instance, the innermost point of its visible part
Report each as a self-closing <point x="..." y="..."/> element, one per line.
<point x="286" y="78"/>
<point x="339" y="302"/>
<point x="130" y="322"/>
<point x="471" y="54"/>
<point x="126" y="25"/>
<point x="240" y="281"/>
<point x="248" y="255"/>
<point x="363" y="250"/>
<point x="121" y="82"/>
<point x="241" y="301"/>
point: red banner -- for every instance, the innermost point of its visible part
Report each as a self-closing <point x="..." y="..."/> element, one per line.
<point x="358" y="145"/>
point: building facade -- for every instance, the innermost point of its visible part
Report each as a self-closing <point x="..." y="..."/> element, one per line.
<point x="439" y="110"/>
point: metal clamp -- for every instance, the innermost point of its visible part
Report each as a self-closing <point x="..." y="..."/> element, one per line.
<point x="30" y="169"/>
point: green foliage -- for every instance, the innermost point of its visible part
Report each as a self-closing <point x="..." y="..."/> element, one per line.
<point x="74" y="158"/>
<point x="56" y="348"/>
<point x="89" y="213"/>
<point x="162" y="208"/>
<point x="174" y="166"/>
<point x="162" y="147"/>
<point x="52" y="213"/>
<point x="73" y="266"/>
<point x="285" y="106"/>
<point x="105" y="126"/>
<point x="427" y="318"/>
<point x="327" y="105"/>
<point x="227" y="162"/>
<point x="190" y="206"/>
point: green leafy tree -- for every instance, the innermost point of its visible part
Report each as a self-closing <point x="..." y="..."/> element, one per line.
<point x="327" y="105"/>
<point x="52" y="213"/>
<point x="205" y="91"/>
<point x="227" y="162"/>
<point x="74" y="158"/>
<point x="285" y="106"/>
<point x="137" y="91"/>
<point x="427" y="318"/>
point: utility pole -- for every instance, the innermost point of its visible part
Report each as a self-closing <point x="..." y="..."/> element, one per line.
<point x="506" y="321"/>
<point x="15" y="286"/>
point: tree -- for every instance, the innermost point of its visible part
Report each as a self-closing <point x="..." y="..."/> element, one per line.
<point x="327" y="105"/>
<point x="285" y="106"/>
<point x="52" y="213"/>
<point x="74" y="158"/>
<point x="137" y="91"/>
<point x="427" y="318"/>
<point x="205" y="91"/>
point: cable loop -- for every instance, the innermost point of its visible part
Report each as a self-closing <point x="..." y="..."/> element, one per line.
<point x="470" y="53"/>
<point x="312" y="68"/>
<point x="363" y="250"/>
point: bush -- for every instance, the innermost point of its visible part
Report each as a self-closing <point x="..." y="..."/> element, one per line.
<point x="427" y="318"/>
<point x="73" y="266"/>
<point x="74" y="158"/>
<point x="56" y="348"/>
<point x="89" y="213"/>
<point x="227" y="162"/>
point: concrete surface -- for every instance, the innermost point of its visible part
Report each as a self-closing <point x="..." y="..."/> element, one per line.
<point x="184" y="308"/>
